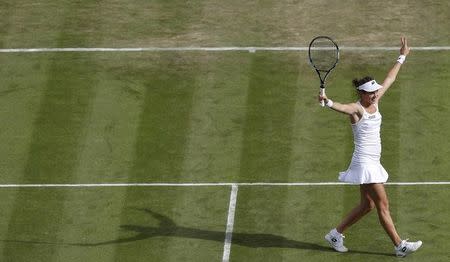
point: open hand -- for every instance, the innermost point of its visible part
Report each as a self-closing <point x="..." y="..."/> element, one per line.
<point x="404" y="49"/>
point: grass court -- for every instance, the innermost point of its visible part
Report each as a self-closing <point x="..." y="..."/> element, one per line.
<point x="132" y="156"/>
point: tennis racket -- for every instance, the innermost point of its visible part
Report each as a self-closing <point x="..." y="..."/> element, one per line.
<point x="323" y="55"/>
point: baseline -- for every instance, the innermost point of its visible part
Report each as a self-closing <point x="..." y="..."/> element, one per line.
<point x="213" y="184"/>
<point x="250" y="49"/>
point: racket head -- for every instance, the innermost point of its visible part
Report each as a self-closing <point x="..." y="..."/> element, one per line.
<point x="323" y="54"/>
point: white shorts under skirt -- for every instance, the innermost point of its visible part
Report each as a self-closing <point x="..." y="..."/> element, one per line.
<point x="364" y="173"/>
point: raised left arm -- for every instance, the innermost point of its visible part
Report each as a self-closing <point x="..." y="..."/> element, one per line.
<point x="392" y="74"/>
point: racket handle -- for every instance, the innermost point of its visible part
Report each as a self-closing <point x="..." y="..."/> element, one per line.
<point x="322" y="93"/>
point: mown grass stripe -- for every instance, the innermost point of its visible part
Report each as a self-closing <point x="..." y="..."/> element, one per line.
<point x="54" y="148"/>
<point x="268" y="126"/>
<point x="163" y="126"/>
<point x="214" y="138"/>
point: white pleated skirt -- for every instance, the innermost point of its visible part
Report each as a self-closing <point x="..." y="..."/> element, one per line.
<point x="364" y="173"/>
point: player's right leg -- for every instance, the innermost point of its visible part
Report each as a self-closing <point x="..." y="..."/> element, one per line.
<point x="335" y="237"/>
<point x="364" y="207"/>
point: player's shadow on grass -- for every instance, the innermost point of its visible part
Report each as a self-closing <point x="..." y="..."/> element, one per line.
<point x="167" y="227"/>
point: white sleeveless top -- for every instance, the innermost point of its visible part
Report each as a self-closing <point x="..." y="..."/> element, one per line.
<point x="365" y="167"/>
<point x="366" y="137"/>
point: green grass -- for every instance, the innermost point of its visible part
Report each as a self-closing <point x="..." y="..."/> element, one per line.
<point x="120" y="224"/>
<point x="311" y="211"/>
<point x="185" y="117"/>
<point x="165" y="119"/>
<point x="241" y="121"/>
<point x="139" y="23"/>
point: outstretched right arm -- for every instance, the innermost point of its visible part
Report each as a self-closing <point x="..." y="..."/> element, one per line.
<point x="353" y="110"/>
<point x="348" y="109"/>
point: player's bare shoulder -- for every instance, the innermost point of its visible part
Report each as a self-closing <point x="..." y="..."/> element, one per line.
<point x="357" y="112"/>
<point x="354" y="108"/>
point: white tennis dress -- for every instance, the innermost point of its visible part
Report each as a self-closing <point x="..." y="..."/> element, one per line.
<point x="365" y="167"/>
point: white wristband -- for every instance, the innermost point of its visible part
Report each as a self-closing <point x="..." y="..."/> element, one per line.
<point x="329" y="103"/>
<point x="401" y="59"/>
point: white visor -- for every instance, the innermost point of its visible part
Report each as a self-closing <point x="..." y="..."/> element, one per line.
<point x="370" y="86"/>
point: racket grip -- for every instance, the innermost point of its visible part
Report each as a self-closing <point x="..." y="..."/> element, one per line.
<point x="322" y="93"/>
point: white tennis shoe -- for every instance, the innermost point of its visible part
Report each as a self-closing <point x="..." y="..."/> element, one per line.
<point x="336" y="240"/>
<point x="405" y="248"/>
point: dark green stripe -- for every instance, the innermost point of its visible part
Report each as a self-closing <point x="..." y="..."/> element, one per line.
<point x="55" y="145"/>
<point x="163" y="128"/>
<point x="268" y="128"/>
<point x="6" y="12"/>
<point x="164" y="120"/>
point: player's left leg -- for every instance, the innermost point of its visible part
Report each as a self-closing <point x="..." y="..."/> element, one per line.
<point x="379" y="196"/>
<point x="402" y="247"/>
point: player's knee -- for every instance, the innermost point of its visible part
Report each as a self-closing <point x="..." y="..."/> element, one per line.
<point x="369" y="206"/>
<point x="383" y="205"/>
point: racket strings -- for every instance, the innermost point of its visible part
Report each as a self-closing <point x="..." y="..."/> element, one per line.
<point x="323" y="54"/>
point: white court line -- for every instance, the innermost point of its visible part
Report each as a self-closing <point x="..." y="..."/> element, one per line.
<point x="230" y="224"/>
<point x="211" y="184"/>
<point x="208" y="49"/>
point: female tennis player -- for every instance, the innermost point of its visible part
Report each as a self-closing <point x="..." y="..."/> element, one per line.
<point x="365" y="168"/>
